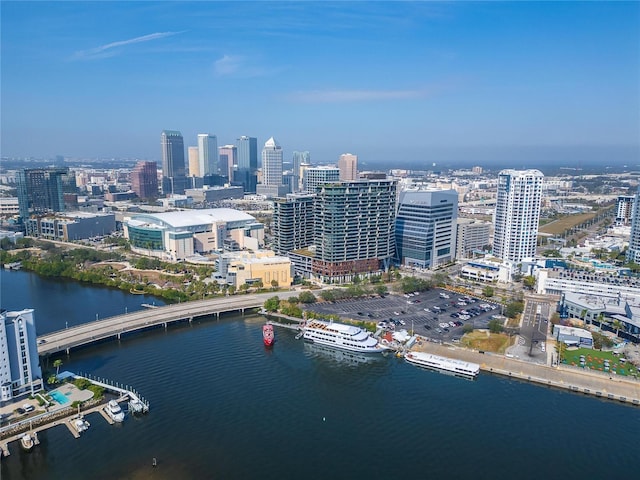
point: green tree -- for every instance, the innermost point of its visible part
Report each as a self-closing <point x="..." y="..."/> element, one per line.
<point x="274" y="284"/>
<point x="244" y="287"/>
<point x="381" y="290"/>
<point x="57" y="364"/>
<point x="529" y="282"/>
<point x="488" y="291"/>
<point x="272" y="304"/>
<point x="468" y="328"/>
<point x="495" y="326"/>
<point x="618" y="325"/>
<point x="307" y="297"/>
<point x="328" y="295"/>
<point x="513" y="309"/>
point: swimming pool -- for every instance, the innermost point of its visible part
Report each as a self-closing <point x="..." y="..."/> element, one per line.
<point x="58" y="397"/>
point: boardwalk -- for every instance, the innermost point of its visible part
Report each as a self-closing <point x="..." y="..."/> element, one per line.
<point x="114" y="327"/>
<point x="579" y="381"/>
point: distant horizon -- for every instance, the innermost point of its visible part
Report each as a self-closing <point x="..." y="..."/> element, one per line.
<point x="443" y="82"/>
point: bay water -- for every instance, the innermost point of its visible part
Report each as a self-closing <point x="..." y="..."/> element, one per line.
<point x="224" y="407"/>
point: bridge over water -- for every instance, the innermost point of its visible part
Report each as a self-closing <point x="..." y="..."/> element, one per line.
<point x="115" y="327"/>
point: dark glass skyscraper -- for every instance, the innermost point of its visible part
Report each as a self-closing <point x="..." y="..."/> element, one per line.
<point x="144" y="179"/>
<point x="40" y="190"/>
<point x="173" y="167"/>
<point x="245" y="174"/>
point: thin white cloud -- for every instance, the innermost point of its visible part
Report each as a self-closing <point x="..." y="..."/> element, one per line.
<point x="239" y="66"/>
<point x="112" y="49"/>
<point x="228" y="65"/>
<point x="330" y="96"/>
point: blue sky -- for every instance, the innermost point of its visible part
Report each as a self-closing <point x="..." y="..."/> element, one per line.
<point x="401" y="82"/>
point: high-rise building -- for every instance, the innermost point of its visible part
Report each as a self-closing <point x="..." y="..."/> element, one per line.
<point x="624" y="209"/>
<point x="292" y="224"/>
<point x="19" y="362"/>
<point x="144" y="179"/>
<point x="271" y="185"/>
<point x="299" y="158"/>
<point x="228" y="155"/>
<point x="348" y="165"/>
<point x="313" y="177"/>
<point x="472" y="235"/>
<point x="208" y="154"/>
<point x="517" y="214"/>
<point x="633" y="253"/>
<point x="245" y="174"/>
<point x="426" y="227"/>
<point x="41" y="190"/>
<point x="354" y="229"/>
<point x="194" y="162"/>
<point x="173" y="165"/>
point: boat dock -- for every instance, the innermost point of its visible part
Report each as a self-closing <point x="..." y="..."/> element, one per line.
<point x="66" y="416"/>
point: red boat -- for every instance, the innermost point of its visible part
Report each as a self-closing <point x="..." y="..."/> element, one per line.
<point x="267" y="335"/>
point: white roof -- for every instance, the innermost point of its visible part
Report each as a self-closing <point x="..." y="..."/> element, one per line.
<point x="186" y="218"/>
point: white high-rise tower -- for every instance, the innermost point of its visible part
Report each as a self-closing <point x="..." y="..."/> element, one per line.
<point x="633" y="254"/>
<point x="207" y="154"/>
<point x="517" y="214"/>
<point x="271" y="185"/>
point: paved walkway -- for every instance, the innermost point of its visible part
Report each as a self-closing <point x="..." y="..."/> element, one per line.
<point x="615" y="387"/>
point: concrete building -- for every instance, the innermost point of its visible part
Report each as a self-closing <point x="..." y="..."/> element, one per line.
<point x="573" y="337"/>
<point x="348" y="166"/>
<point x="173" y="165"/>
<point x="486" y="270"/>
<point x="354" y="231"/>
<point x="208" y="154"/>
<point x="228" y="157"/>
<point x="425" y="230"/>
<point x="194" y="162"/>
<point x="208" y="194"/>
<point x="472" y="235"/>
<point x="293" y="223"/>
<point x="517" y="214"/>
<point x="238" y="268"/>
<point x="271" y="185"/>
<point x="144" y="180"/>
<point x="9" y="206"/>
<point x="624" y="209"/>
<point x="71" y="226"/>
<point x="20" y="372"/>
<point x="179" y="235"/>
<point x="313" y="177"/>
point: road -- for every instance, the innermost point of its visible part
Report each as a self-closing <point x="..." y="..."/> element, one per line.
<point x="63" y="340"/>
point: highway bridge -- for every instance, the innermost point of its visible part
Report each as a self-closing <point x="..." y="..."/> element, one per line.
<point x="115" y="327"/>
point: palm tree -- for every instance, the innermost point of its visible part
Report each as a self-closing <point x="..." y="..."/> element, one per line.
<point x="57" y="364"/>
<point x="583" y="314"/>
<point x="617" y="324"/>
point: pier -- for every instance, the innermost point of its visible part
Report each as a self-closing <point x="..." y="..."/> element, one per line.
<point x="116" y="327"/>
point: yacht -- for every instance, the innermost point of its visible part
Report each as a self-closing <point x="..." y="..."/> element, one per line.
<point x="114" y="411"/>
<point x="80" y="424"/>
<point x="26" y="441"/>
<point x="341" y="336"/>
<point x="429" y="360"/>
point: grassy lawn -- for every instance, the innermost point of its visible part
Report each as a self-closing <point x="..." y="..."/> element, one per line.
<point x="594" y="359"/>
<point x="488" y="342"/>
<point x="558" y="226"/>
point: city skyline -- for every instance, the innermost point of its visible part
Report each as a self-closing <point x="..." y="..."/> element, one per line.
<point x="425" y="81"/>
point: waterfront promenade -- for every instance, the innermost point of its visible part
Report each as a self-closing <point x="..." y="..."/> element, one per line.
<point x="580" y="381"/>
<point x="115" y="327"/>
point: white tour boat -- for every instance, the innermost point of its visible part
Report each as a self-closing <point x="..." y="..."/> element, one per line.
<point x="114" y="411"/>
<point x="344" y="337"/>
<point x="429" y="360"/>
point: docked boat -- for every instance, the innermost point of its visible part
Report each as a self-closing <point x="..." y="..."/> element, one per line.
<point x="341" y="336"/>
<point x="436" y="362"/>
<point x="26" y="441"/>
<point x="136" y="405"/>
<point x="80" y="424"/>
<point x="267" y="335"/>
<point x="114" y="411"/>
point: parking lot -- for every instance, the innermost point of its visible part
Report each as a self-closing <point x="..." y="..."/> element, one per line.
<point x="426" y="312"/>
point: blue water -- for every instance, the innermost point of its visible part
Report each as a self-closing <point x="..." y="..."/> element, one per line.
<point x="223" y="406"/>
<point x="58" y="397"/>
